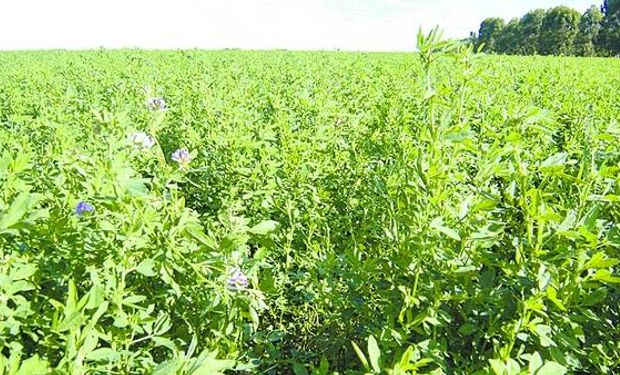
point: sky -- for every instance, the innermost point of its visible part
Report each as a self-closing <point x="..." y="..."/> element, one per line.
<point x="364" y="25"/>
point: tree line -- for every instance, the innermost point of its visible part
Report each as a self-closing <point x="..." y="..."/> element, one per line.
<point x="556" y="31"/>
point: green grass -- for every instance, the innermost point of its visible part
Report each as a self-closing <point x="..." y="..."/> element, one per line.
<point x="440" y="212"/>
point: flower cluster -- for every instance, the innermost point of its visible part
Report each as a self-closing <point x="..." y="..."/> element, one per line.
<point x="182" y="157"/>
<point x="142" y="140"/>
<point x="156" y="104"/>
<point x="83" y="207"/>
<point x="237" y="280"/>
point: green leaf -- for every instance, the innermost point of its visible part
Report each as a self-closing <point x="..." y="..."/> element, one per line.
<point x="552" y="368"/>
<point x="121" y="320"/>
<point x="437" y="224"/>
<point x="16" y="211"/>
<point x="569" y="221"/>
<point x="192" y="346"/>
<point x="599" y="260"/>
<point x="23" y="272"/>
<point x="103" y="355"/>
<point x="467" y="329"/>
<point x="512" y="367"/>
<point x="18" y="286"/>
<point x="254" y="316"/>
<point x="162" y="341"/>
<point x="421" y="363"/>
<point x="265" y="227"/>
<point x="214" y="367"/>
<point x="543" y="332"/>
<point x="162" y="324"/>
<point x="535" y="362"/>
<point x="361" y="355"/>
<point x="169" y="367"/>
<point x="147" y="268"/>
<point x="89" y="342"/>
<point x="552" y="294"/>
<point x="590" y="218"/>
<point x="497" y="366"/>
<point x="70" y="304"/>
<point x="133" y="300"/>
<point x="554" y="161"/>
<point x="70" y="322"/>
<point x="299" y="369"/>
<point x="246" y="368"/>
<point x="595" y="297"/>
<point x="324" y="366"/>
<point x="136" y="188"/>
<point x="374" y="354"/>
<point x="198" y="234"/>
<point x="208" y="364"/>
<point x="33" y="366"/>
<point x="406" y="358"/>
<point x="96" y="296"/>
<point x="606" y="276"/>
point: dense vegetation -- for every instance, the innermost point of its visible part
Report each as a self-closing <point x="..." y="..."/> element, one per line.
<point x="287" y="212"/>
<point x="557" y="31"/>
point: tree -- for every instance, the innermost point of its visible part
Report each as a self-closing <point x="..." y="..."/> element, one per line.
<point x="589" y="29"/>
<point x="609" y="35"/>
<point x="611" y="7"/>
<point x="508" y="40"/>
<point x="530" y="26"/>
<point x="558" y="32"/>
<point x="490" y="30"/>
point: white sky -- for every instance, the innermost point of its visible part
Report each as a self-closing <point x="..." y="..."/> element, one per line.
<point x="372" y="25"/>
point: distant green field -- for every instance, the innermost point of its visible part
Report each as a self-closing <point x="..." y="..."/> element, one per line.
<point x="439" y="212"/>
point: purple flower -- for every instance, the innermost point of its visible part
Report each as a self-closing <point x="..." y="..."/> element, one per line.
<point x="237" y="280"/>
<point x="182" y="157"/>
<point x="83" y="207"/>
<point x="156" y="104"/>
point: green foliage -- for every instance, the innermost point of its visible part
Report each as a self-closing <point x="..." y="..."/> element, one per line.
<point x="611" y="7"/>
<point x="589" y="30"/>
<point x="557" y="31"/>
<point x="609" y="35"/>
<point x="506" y="41"/>
<point x="442" y="213"/>
<point x="490" y="30"/>
<point x="529" y="32"/>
